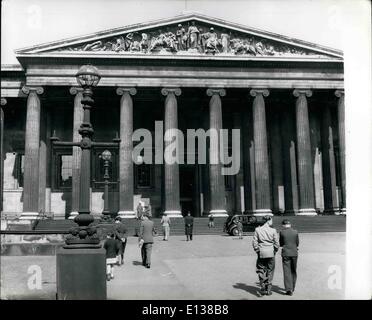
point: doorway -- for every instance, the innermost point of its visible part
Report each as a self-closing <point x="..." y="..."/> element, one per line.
<point x="189" y="189"/>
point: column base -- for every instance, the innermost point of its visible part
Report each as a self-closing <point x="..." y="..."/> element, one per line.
<point x="342" y="211"/>
<point x="174" y="213"/>
<point x="306" y="212"/>
<point x="333" y="211"/>
<point x="29" y="216"/>
<point x="262" y="212"/>
<point x="290" y="213"/>
<point x="73" y="215"/>
<point x="126" y="214"/>
<point x="219" y="213"/>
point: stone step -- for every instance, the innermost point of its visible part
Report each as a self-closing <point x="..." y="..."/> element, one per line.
<point x="301" y="223"/>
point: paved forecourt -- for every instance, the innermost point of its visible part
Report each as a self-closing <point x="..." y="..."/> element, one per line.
<point x="209" y="267"/>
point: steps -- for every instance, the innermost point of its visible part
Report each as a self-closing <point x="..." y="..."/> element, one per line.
<point x="300" y="223"/>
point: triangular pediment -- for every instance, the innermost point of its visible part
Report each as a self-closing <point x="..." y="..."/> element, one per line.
<point x="187" y="34"/>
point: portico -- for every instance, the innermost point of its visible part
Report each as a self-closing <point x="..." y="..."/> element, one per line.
<point x="288" y="103"/>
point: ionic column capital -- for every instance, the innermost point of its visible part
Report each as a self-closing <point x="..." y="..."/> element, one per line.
<point x="76" y="90"/>
<point x="339" y="93"/>
<point x="27" y="90"/>
<point x="3" y="101"/>
<point x="211" y="91"/>
<point x="255" y="92"/>
<point x="121" y="90"/>
<point x="299" y="92"/>
<point x="166" y="91"/>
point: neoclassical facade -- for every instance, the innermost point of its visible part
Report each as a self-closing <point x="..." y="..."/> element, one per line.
<point x="192" y="71"/>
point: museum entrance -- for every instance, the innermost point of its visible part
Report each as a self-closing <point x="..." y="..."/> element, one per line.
<point x="189" y="189"/>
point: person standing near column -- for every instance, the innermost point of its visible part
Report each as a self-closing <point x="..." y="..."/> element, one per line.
<point x="265" y="244"/>
<point x="165" y="222"/>
<point x="289" y="242"/>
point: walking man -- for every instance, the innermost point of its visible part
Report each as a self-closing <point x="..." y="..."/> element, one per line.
<point x="265" y="244"/>
<point x="121" y="238"/>
<point x="289" y="242"/>
<point x="165" y="222"/>
<point x="147" y="232"/>
<point x="189" y="224"/>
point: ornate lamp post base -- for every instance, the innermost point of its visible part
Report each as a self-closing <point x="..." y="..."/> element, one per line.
<point x="81" y="274"/>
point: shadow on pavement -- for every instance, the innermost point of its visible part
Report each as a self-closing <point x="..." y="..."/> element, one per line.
<point x="255" y="290"/>
<point x="137" y="263"/>
<point x="249" y="289"/>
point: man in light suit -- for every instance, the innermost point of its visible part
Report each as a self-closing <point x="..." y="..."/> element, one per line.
<point x="147" y="232"/>
<point x="265" y="244"/>
<point x="289" y="240"/>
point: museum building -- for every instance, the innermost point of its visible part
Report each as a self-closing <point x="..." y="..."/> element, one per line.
<point x="190" y="71"/>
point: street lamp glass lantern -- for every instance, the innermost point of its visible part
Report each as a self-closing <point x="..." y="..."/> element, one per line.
<point x="88" y="76"/>
<point x="106" y="155"/>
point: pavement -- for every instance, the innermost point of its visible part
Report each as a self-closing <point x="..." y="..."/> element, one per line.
<point x="216" y="267"/>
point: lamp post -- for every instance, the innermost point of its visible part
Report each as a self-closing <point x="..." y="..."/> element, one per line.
<point x="85" y="235"/>
<point x="106" y="157"/>
<point x="81" y="273"/>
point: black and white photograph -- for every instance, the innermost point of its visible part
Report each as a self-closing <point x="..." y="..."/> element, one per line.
<point x="186" y="150"/>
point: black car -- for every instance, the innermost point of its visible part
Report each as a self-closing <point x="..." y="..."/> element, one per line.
<point x="249" y="223"/>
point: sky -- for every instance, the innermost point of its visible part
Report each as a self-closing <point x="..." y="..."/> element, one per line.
<point x="30" y="22"/>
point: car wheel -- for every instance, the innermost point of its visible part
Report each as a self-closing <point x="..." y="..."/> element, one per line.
<point x="234" y="232"/>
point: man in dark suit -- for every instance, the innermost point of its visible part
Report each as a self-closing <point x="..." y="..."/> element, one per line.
<point x="189" y="224"/>
<point x="147" y="232"/>
<point x="289" y="240"/>
<point x="121" y="237"/>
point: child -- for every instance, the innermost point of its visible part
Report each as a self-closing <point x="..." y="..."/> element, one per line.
<point x="211" y="221"/>
<point x="239" y="225"/>
<point x="112" y="249"/>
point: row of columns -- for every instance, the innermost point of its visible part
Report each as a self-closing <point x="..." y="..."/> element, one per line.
<point x="171" y="171"/>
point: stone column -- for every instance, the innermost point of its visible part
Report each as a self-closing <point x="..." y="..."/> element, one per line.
<point x="304" y="161"/>
<point x="277" y="162"/>
<point x="126" y="187"/>
<point x="43" y="164"/>
<point x="2" y="155"/>
<point x="341" y="143"/>
<point x="261" y="157"/>
<point x="248" y="164"/>
<point x="216" y="180"/>
<point x="239" y="178"/>
<point x="32" y="141"/>
<point x="76" y="151"/>
<point x="171" y="171"/>
<point x="329" y="167"/>
<point x="288" y="132"/>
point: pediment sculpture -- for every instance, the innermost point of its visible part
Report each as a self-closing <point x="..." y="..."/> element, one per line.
<point x="192" y="38"/>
